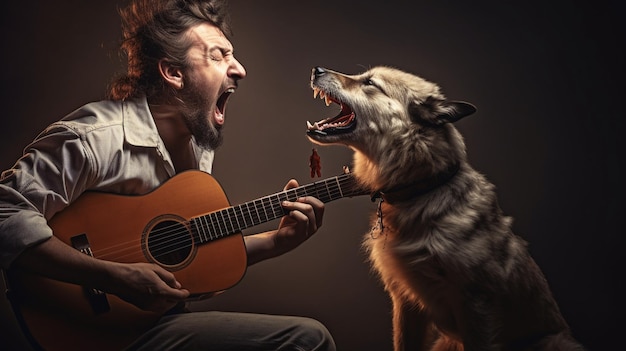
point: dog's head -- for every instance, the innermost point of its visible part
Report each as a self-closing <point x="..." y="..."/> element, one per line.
<point x="385" y="109"/>
<point x="378" y="99"/>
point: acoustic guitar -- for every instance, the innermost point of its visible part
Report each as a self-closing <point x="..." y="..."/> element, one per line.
<point x="186" y="226"/>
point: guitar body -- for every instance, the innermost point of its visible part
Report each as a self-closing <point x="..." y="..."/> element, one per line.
<point x="149" y="228"/>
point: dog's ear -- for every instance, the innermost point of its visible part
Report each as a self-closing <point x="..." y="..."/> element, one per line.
<point x="436" y="112"/>
<point x="452" y="111"/>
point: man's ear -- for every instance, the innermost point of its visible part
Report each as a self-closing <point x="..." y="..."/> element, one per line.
<point x="172" y="74"/>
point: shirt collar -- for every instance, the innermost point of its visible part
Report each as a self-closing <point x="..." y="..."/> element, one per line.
<point x="140" y="130"/>
<point x="139" y="126"/>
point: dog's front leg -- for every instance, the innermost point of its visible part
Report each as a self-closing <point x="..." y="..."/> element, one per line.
<point x="479" y="324"/>
<point x="412" y="329"/>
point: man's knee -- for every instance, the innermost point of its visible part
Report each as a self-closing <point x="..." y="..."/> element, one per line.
<point x="312" y="335"/>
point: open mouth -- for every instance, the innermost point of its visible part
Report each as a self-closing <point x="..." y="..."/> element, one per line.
<point x="344" y="122"/>
<point x="220" y="109"/>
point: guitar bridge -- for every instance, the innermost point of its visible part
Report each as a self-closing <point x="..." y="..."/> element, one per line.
<point x="97" y="298"/>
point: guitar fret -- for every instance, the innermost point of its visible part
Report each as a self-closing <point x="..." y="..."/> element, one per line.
<point x="331" y="189"/>
<point x="206" y="232"/>
<point x="254" y="213"/>
<point x="238" y="217"/>
<point x="216" y="223"/>
<point x="262" y="204"/>
<point x="233" y="219"/>
<point x="328" y="193"/>
<point x="243" y="216"/>
<point x="259" y="218"/>
<point x="230" y="220"/>
<point x="299" y="193"/>
<point x="224" y="217"/>
<point x="267" y="203"/>
<point x="196" y="231"/>
<point x="222" y="223"/>
<point x="214" y="229"/>
<point x="200" y="229"/>
<point x="203" y="225"/>
<point x="338" y="187"/>
<point x="249" y="214"/>
<point x="276" y="204"/>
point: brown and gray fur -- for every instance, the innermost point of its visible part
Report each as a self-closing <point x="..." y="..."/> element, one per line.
<point x="457" y="276"/>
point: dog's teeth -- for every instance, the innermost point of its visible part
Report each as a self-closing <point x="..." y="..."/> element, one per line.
<point x="322" y="94"/>
<point x="313" y="126"/>
<point x="315" y="92"/>
<point x="327" y="100"/>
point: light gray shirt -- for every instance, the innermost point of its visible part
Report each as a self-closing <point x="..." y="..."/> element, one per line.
<point x="110" y="146"/>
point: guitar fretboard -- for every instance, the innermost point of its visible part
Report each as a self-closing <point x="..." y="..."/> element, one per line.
<point x="227" y="221"/>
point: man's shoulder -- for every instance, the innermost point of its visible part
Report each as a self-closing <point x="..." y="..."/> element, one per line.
<point x="98" y="115"/>
<point x="94" y="115"/>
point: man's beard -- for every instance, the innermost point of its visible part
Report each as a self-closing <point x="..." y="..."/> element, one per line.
<point x="197" y="110"/>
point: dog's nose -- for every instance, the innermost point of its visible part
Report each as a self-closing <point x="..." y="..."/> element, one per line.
<point x="317" y="71"/>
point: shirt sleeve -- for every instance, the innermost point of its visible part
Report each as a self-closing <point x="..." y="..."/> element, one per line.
<point x="54" y="170"/>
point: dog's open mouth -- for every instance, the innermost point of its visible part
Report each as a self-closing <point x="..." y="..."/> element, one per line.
<point x="344" y="122"/>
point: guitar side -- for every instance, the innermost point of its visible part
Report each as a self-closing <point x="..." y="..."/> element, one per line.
<point x="118" y="228"/>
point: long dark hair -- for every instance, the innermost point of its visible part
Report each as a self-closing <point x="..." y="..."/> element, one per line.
<point x="155" y="29"/>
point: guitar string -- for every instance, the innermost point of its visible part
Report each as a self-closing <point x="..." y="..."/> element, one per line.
<point x="173" y="232"/>
<point x="165" y="244"/>
<point x="171" y="243"/>
<point x="242" y="216"/>
<point x="273" y="203"/>
<point x="181" y="231"/>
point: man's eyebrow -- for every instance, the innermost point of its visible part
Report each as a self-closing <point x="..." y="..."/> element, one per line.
<point x="223" y="48"/>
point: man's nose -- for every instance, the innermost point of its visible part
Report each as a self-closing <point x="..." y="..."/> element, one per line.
<point x="237" y="70"/>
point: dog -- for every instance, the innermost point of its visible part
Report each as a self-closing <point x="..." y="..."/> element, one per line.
<point x="457" y="276"/>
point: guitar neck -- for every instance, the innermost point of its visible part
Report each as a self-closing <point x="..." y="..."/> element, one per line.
<point x="234" y="219"/>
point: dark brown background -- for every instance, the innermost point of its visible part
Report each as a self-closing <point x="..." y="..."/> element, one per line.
<point x="547" y="81"/>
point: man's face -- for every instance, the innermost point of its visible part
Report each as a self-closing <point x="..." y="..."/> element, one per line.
<point x="208" y="82"/>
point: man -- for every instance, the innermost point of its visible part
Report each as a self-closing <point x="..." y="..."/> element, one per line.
<point x="164" y="116"/>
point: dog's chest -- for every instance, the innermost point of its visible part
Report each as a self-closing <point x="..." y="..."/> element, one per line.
<point x="410" y="270"/>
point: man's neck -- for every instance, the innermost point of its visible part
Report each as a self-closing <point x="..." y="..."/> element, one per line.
<point x="175" y="134"/>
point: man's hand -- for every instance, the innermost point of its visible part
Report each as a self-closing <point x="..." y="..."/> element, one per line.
<point x="148" y="286"/>
<point x="145" y="285"/>
<point x="304" y="217"/>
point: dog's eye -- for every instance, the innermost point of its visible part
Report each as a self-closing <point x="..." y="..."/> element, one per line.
<point x="369" y="81"/>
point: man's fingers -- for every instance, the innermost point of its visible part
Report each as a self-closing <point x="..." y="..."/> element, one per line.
<point x="172" y="288"/>
<point x="167" y="277"/>
<point x="292" y="183"/>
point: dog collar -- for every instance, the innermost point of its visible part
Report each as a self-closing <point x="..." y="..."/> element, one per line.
<point x="407" y="192"/>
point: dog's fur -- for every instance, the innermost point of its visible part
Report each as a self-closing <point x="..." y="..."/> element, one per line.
<point x="458" y="278"/>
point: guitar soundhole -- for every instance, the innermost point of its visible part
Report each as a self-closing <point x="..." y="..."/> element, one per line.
<point x="169" y="242"/>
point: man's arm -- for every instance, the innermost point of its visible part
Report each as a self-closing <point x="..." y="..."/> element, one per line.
<point x="56" y="169"/>
<point x="145" y="285"/>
